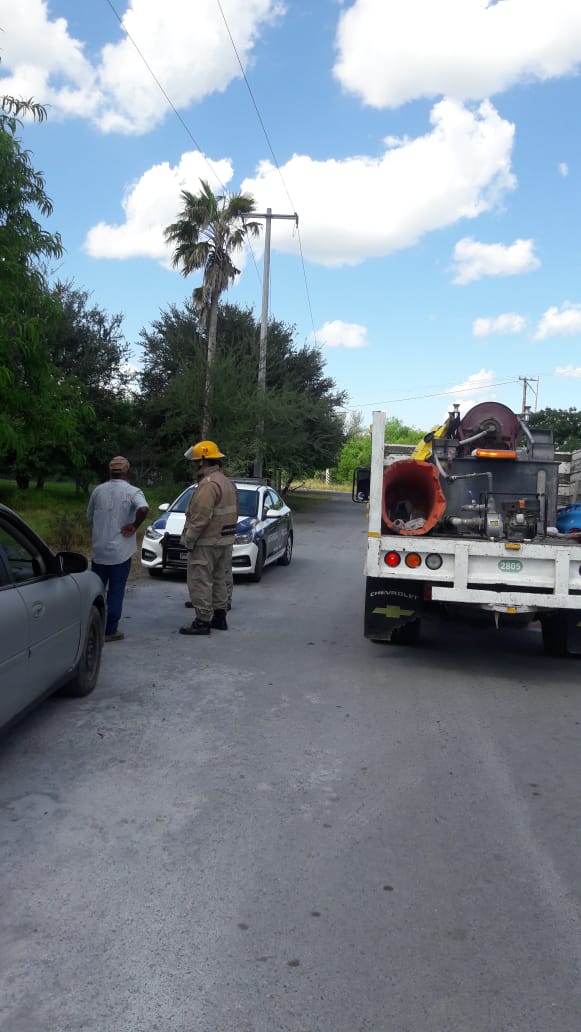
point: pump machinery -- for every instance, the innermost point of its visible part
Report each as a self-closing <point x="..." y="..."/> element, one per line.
<point x="466" y="524"/>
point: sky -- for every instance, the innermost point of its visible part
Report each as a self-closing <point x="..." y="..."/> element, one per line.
<point x="430" y="149"/>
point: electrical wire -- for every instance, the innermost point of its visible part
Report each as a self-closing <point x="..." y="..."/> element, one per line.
<point x="437" y="394"/>
<point x="275" y="160"/>
<point x="182" y="122"/>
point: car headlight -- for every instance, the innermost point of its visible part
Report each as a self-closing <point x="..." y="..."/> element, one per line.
<point x="153" y="534"/>
<point x="243" y="539"/>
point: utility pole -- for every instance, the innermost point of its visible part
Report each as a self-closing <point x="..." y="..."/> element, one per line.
<point x="529" y="383"/>
<point x="258" y="461"/>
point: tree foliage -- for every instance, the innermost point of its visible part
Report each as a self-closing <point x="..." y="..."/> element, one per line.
<point x="357" y="448"/>
<point x="30" y="409"/>
<point x="303" y="431"/>
<point x="209" y="230"/>
<point x="87" y="348"/>
<point x="565" y="424"/>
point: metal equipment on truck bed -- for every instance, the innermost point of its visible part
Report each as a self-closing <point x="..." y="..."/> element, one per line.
<point x="467" y="528"/>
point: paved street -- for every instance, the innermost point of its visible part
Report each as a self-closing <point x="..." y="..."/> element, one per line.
<point x="286" y="828"/>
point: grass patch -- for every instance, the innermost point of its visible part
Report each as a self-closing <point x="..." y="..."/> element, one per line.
<point x="59" y="513"/>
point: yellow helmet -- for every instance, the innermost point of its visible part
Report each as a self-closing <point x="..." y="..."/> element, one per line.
<point x="203" y="450"/>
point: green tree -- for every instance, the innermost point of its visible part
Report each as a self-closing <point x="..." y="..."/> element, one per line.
<point x="209" y="230"/>
<point x="303" y="428"/>
<point x="565" y="424"/>
<point x="357" y="448"/>
<point x="30" y="410"/>
<point x="87" y="347"/>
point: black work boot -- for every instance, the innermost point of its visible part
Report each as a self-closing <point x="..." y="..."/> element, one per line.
<point x="219" y="620"/>
<point x="196" y="627"/>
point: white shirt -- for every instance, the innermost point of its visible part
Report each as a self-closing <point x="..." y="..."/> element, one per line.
<point x="111" y="506"/>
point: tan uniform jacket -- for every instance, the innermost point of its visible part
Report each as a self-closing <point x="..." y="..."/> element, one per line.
<point x="212" y="513"/>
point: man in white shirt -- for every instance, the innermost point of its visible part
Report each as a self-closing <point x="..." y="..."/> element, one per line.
<point x="115" y="510"/>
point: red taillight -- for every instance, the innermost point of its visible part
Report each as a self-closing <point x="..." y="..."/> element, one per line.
<point x="392" y="559"/>
<point x="413" y="560"/>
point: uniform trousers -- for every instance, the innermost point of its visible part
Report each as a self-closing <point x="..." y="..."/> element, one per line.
<point x="207" y="579"/>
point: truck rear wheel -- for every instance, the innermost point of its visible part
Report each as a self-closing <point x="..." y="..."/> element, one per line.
<point x="554" y="628"/>
<point x="408" y="634"/>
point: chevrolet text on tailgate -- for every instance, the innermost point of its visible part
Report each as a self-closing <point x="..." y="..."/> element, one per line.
<point x="466" y="526"/>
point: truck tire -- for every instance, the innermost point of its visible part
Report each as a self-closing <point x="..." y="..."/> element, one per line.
<point x="408" y="634"/>
<point x="554" y="629"/>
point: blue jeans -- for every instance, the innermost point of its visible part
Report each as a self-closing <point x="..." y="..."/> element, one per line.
<point x="114" y="578"/>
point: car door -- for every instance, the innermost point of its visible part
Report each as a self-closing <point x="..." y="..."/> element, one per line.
<point x="51" y="608"/>
<point x="14" y="651"/>
<point x="273" y="527"/>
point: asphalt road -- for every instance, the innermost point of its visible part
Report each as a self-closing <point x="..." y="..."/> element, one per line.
<point x="286" y="828"/>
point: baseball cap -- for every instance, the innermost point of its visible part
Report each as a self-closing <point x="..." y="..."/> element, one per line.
<point x="119" y="464"/>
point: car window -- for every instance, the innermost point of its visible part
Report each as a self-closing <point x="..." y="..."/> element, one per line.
<point x="272" y="500"/>
<point x="247" y="502"/>
<point x="181" y="503"/>
<point x="21" y="558"/>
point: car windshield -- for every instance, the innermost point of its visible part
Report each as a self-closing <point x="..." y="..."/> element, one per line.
<point x="181" y="503"/>
<point x="247" y="502"/>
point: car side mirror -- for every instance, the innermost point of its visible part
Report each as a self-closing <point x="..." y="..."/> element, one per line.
<point x="72" y="562"/>
<point x="164" y="506"/>
<point x="271" y="514"/>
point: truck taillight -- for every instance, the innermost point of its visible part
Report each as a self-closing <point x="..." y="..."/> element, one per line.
<point x="413" y="560"/>
<point x="434" y="561"/>
<point x="392" y="559"/>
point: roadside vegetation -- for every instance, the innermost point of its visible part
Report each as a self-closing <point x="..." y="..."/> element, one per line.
<point x="74" y="391"/>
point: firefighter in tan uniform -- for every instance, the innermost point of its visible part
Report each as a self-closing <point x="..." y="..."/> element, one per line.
<point x="208" y="536"/>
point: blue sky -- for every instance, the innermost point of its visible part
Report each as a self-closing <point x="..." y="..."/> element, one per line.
<point x="430" y="149"/>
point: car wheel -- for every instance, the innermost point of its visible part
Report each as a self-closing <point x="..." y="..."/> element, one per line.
<point x="85" y="678"/>
<point x="155" y="572"/>
<point x="288" y="552"/>
<point x="256" y="574"/>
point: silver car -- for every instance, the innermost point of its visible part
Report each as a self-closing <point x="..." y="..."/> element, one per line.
<point x="52" y="620"/>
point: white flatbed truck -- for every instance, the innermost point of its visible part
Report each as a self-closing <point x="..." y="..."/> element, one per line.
<point x="469" y="533"/>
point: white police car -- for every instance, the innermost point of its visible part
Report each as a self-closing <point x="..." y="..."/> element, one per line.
<point x="264" y="532"/>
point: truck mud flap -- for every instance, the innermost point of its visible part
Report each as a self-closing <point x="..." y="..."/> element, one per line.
<point x="390" y="604"/>
<point x="574" y="632"/>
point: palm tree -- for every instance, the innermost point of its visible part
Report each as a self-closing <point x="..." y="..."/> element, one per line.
<point x="210" y="228"/>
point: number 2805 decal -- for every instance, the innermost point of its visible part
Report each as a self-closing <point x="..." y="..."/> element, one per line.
<point x="510" y="565"/>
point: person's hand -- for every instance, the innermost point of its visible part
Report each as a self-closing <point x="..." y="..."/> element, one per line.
<point x="128" y="530"/>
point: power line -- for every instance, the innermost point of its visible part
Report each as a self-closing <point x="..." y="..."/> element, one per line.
<point x="168" y="99"/>
<point x="274" y="158"/>
<point x="436" y="394"/>
<point x="178" y="116"/>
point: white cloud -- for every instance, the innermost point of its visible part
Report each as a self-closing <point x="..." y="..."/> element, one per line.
<point x="563" y="168"/>
<point x="474" y="389"/>
<point x="571" y="371"/>
<point x="150" y="205"/>
<point x="339" y="334"/>
<point x="391" y="52"/>
<point x="458" y="170"/>
<point x="508" y="322"/>
<point x="560" y="322"/>
<point x="185" y="44"/>
<point x="475" y="260"/>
